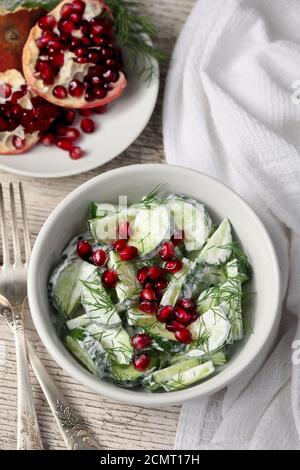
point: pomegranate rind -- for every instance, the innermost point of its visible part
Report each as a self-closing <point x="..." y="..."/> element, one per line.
<point x="29" y="59"/>
<point x="15" y="79"/>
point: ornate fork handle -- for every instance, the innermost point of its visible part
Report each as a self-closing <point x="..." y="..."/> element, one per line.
<point x="76" y="435"/>
<point x="28" y="434"/>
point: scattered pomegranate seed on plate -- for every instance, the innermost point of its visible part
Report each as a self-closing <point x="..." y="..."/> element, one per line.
<point x="87" y="125"/>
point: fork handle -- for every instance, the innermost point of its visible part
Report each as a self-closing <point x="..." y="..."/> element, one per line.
<point x="28" y="433"/>
<point x="73" y="430"/>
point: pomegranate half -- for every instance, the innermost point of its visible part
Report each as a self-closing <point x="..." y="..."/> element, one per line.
<point x="71" y="59"/>
<point x="23" y="115"/>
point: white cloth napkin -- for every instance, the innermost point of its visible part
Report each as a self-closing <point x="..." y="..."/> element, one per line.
<point x="230" y="112"/>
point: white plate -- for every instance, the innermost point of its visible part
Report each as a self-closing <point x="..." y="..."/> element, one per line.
<point x="116" y="131"/>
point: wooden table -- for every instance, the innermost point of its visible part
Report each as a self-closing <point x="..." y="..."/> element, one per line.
<point x="116" y="425"/>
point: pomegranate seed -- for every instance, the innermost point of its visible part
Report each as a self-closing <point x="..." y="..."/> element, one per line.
<point x="167" y="251"/>
<point x="47" y="74"/>
<point x="47" y="139"/>
<point x="16" y="110"/>
<point x="142" y="362"/>
<point x="173" y="267"/>
<point x="75" y="18"/>
<point x="11" y="124"/>
<point x="182" y="316"/>
<point x="17" y="95"/>
<point x="148" y="294"/>
<point x="99" y="92"/>
<point x="87" y="125"/>
<point x="3" y="124"/>
<point x="123" y="230"/>
<point x="69" y="116"/>
<point x="47" y="22"/>
<point x="76" y="88"/>
<point x="64" y="144"/>
<point x="101" y="109"/>
<point x="99" y="257"/>
<point x="84" y="249"/>
<point x="178" y="237"/>
<point x="149" y="285"/>
<point x="76" y="153"/>
<point x="81" y="52"/>
<point x="155" y="273"/>
<point x="194" y="316"/>
<point x="183" y="336"/>
<point x="57" y="59"/>
<point x="85" y="28"/>
<point x="55" y="45"/>
<point x="165" y="314"/>
<point x="148" y="307"/>
<point x="71" y="133"/>
<point x="66" y="10"/>
<point x="45" y="39"/>
<point x="142" y="275"/>
<point x="173" y="326"/>
<point x="140" y="341"/>
<point x="110" y="76"/>
<point x="129" y="253"/>
<point x="66" y="26"/>
<point x="160" y="285"/>
<point x="7" y="90"/>
<point x="110" y="278"/>
<point x="120" y="245"/>
<point x="60" y="92"/>
<point x="78" y="6"/>
<point x="85" y="112"/>
<point x="18" y="143"/>
<point x="81" y="60"/>
<point x="188" y="304"/>
<point x="93" y="57"/>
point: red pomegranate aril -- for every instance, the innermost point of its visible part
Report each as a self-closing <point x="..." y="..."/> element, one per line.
<point x="85" y="112"/>
<point x="76" y="88"/>
<point x="16" y="110"/>
<point x="178" y="237"/>
<point x="82" y="60"/>
<point x="123" y="230"/>
<point x="106" y="52"/>
<point x="3" y="124"/>
<point x="47" y="22"/>
<point x="75" y="18"/>
<point x="99" y="257"/>
<point x="110" y="278"/>
<point x="173" y="267"/>
<point x="81" y="51"/>
<point x="142" y="362"/>
<point x="148" y="294"/>
<point x="183" y="336"/>
<point x="47" y="140"/>
<point x="119" y="245"/>
<point x="148" y="307"/>
<point x="64" y="144"/>
<point x="148" y="285"/>
<point x="7" y="90"/>
<point x="66" y="26"/>
<point x="84" y="249"/>
<point x="72" y="134"/>
<point x="182" y="316"/>
<point x="12" y="124"/>
<point x="129" y="253"/>
<point x="18" y="143"/>
<point x="110" y="76"/>
<point x="47" y="74"/>
<point x="17" y="95"/>
<point x="160" y="285"/>
<point x="87" y="125"/>
<point x="55" y="45"/>
<point x="78" y="6"/>
<point x="167" y="251"/>
<point x="93" y="57"/>
<point x="57" y="59"/>
<point x="76" y="153"/>
<point x="165" y="314"/>
<point x="66" y="10"/>
<point x="173" y="326"/>
<point x="140" y="341"/>
<point x="99" y="93"/>
<point x="94" y="80"/>
<point x="69" y="116"/>
<point x="155" y="273"/>
<point x="187" y="304"/>
<point x="60" y="92"/>
<point x="142" y="275"/>
<point x="101" y="109"/>
<point x="85" y="27"/>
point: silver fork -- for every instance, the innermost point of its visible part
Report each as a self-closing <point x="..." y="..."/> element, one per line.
<point x="73" y="430"/>
<point x="13" y="290"/>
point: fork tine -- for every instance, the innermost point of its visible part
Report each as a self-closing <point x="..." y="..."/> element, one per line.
<point x="5" y="246"/>
<point x="25" y="224"/>
<point x="15" y="232"/>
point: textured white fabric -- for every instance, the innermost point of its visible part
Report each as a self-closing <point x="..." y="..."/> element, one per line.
<point x="229" y="113"/>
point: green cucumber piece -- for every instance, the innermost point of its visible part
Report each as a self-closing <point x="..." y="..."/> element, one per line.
<point x="127" y="376"/>
<point x="65" y="285"/>
<point x="101" y="210"/>
<point x="189" y="377"/>
<point x="150" y="228"/>
<point x="116" y="342"/>
<point x="219" y="247"/>
<point x="87" y="350"/>
<point x="128" y="286"/>
<point x="192" y="218"/>
<point x="218" y="358"/>
<point x="174" y="288"/>
<point x="200" y="277"/>
<point x="211" y="331"/>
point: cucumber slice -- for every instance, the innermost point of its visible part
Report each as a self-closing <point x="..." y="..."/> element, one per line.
<point x="150" y="229"/>
<point x="192" y="218"/>
<point x="101" y="210"/>
<point x="211" y="331"/>
<point x="128" y="286"/>
<point x="65" y="285"/>
<point x="218" y="358"/>
<point x="97" y="304"/>
<point x="87" y="350"/>
<point x="116" y="342"/>
<point x="200" y="277"/>
<point x="219" y="247"/>
<point x="179" y="375"/>
<point x="173" y="290"/>
<point x="128" y="376"/>
<point x="105" y="229"/>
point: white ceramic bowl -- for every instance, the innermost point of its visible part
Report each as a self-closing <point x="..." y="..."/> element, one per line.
<point x="69" y="219"/>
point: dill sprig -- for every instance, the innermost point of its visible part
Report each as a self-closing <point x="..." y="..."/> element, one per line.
<point x="133" y="32"/>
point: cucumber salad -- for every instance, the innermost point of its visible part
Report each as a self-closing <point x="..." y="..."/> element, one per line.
<point x="152" y="294"/>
